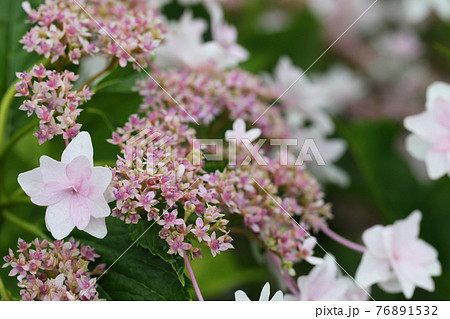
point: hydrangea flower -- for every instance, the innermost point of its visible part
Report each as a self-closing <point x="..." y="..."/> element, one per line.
<point x="73" y="190"/>
<point x="128" y="31"/>
<point x="325" y="283"/>
<point x="396" y="259"/>
<point x="54" y="271"/>
<point x="265" y="295"/>
<point x="430" y="140"/>
<point x="50" y="96"/>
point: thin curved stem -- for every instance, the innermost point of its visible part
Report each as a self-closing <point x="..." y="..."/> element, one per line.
<point x="3" y="292"/>
<point x="341" y="240"/>
<point x="5" y="105"/>
<point x="23" y="224"/>
<point x="18" y="136"/>
<point x="289" y="281"/>
<point x="191" y="274"/>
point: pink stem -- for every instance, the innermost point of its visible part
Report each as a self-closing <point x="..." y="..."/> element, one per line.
<point x="67" y="142"/>
<point x="289" y="281"/>
<point x="341" y="240"/>
<point x="191" y="274"/>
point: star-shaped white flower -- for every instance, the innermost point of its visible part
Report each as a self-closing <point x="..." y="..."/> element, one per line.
<point x="239" y="132"/>
<point x="430" y="140"/>
<point x="265" y="295"/>
<point x="73" y="190"/>
<point x="396" y="259"/>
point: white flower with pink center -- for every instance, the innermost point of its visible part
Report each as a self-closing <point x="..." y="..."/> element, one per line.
<point x="430" y="140"/>
<point x="396" y="259"/>
<point x="73" y="190"/>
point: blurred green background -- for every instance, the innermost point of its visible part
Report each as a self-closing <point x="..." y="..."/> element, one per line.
<point x="383" y="188"/>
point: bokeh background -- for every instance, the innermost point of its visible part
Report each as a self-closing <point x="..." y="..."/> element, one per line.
<point x="386" y="184"/>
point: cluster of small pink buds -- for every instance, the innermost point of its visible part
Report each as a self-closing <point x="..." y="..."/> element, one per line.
<point x="71" y="29"/>
<point x="49" y="95"/>
<point x="206" y="92"/>
<point x="54" y="271"/>
<point x="156" y="179"/>
<point x="282" y="224"/>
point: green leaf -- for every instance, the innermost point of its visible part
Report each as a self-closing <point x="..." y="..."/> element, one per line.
<point x="138" y="274"/>
<point x="150" y="240"/>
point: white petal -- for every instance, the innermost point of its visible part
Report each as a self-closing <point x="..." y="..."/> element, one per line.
<point x="239" y="127"/>
<point x="241" y="296"/>
<point x="81" y="145"/>
<point x="417" y="147"/>
<point x="372" y="240"/>
<point x="278" y="296"/>
<point x="96" y="227"/>
<point x="58" y="220"/>
<point x="314" y="260"/>
<point x="434" y="269"/>
<point x="265" y="293"/>
<point x="31" y="181"/>
<point x="53" y="170"/>
<point x="100" y="179"/>
<point x="253" y="134"/>
<point x="437" y="164"/>
<point x="372" y="270"/>
<point x="426" y="126"/>
<point x="437" y="90"/>
<point x="408" y="229"/>
<point x="391" y="286"/>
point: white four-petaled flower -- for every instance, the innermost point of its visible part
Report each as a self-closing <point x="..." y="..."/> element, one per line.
<point x="73" y="190"/>
<point x="430" y="140"/>
<point x="265" y="295"/>
<point x="397" y="259"/>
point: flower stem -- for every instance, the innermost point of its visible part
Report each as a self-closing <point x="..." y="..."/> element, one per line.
<point x="12" y="142"/>
<point x="289" y="281"/>
<point x="191" y="274"/>
<point x="23" y="224"/>
<point x="4" y="295"/>
<point x="4" y="110"/>
<point x="341" y="240"/>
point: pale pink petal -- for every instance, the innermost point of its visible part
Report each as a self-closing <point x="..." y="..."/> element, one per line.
<point x="417" y="147"/>
<point x="58" y="220"/>
<point x="435" y="91"/>
<point x="372" y="270"/>
<point x="98" y="207"/>
<point x="80" y="211"/>
<point x="101" y="179"/>
<point x="31" y="182"/>
<point x="79" y="170"/>
<point x="53" y="170"/>
<point x="81" y="145"/>
<point x="408" y="229"/>
<point x="425" y="126"/>
<point x="51" y="193"/>
<point x="372" y="239"/>
<point x="417" y="275"/>
<point x="96" y="227"/>
<point x="437" y="164"/>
